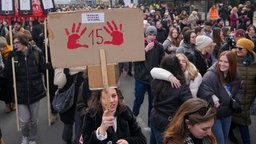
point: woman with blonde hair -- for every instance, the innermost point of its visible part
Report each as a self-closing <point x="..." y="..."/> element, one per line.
<point x="233" y="19"/>
<point x="193" y="19"/>
<point x="192" y="76"/>
<point x="191" y="124"/>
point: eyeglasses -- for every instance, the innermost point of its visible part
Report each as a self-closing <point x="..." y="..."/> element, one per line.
<point x="239" y="48"/>
<point x="16" y="43"/>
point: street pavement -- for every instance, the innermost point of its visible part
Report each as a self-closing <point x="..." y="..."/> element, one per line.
<point x="52" y="134"/>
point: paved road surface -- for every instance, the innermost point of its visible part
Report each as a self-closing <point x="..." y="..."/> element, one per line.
<point x="52" y="134"/>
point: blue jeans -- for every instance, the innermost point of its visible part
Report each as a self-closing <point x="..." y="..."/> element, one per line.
<point x="244" y="131"/>
<point x="156" y="136"/>
<point x="221" y="129"/>
<point x="140" y="89"/>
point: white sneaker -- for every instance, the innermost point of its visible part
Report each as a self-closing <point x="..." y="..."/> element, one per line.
<point x="24" y="140"/>
<point x="32" y="142"/>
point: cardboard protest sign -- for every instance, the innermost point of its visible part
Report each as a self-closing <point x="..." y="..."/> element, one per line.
<point x="76" y="37"/>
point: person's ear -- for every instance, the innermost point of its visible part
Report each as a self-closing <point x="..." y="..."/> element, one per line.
<point x="187" y="122"/>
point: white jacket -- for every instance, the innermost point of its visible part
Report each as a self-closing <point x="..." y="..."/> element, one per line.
<point x="162" y="74"/>
<point x="60" y="78"/>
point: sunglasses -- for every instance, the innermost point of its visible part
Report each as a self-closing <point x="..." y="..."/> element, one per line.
<point x="202" y="111"/>
<point x="239" y="48"/>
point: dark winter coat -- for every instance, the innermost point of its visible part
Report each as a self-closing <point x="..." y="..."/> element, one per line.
<point x="165" y="107"/>
<point x="29" y="69"/>
<point x="223" y="12"/>
<point x="153" y="59"/>
<point x="248" y="74"/>
<point x="127" y="128"/>
<point x="161" y="35"/>
<point x="202" y="62"/>
<point x="68" y="116"/>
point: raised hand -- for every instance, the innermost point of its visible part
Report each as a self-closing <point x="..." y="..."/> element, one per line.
<point x="73" y="38"/>
<point x="107" y="121"/>
<point x="117" y="35"/>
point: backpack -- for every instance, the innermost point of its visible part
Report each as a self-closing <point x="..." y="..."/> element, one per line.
<point x="36" y="52"/>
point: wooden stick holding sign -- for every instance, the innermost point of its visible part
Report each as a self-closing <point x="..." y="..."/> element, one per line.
<point x="47" y="73"/>
<point x="14" y="81"/>
<point x="84" y="37"/>
<point x="104" y="73"/>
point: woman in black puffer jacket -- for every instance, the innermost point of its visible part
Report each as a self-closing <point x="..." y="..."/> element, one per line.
<point x="29" y="65"/>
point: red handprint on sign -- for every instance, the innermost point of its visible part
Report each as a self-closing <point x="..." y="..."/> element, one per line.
<point x="73" y="38"/>
<point x="117" y="35"/>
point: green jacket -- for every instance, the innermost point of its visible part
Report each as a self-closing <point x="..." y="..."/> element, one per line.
<point x="248" y="75"/>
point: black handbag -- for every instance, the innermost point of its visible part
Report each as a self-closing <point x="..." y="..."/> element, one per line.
<point x="64" y="100"/>
<point x="234" y="104"/>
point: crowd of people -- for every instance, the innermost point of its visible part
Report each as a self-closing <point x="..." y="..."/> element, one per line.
<point x="191" y="72"/>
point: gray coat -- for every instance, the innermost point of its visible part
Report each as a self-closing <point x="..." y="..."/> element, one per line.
<point x="210" y="87"/>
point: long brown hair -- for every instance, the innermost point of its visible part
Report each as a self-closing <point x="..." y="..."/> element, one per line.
<point x="175" y="41"/>
<point x="192" y="109"/>
<point x="232" y="71"/>
<point x="94" y="106"/>
<point x="217" y="40"/>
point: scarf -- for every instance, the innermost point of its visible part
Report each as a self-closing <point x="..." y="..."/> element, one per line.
<point x="247" y="60"/>
<point x="6" y="51"/>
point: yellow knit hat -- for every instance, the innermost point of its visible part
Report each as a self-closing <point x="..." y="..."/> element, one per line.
<point x="246" y="43"/>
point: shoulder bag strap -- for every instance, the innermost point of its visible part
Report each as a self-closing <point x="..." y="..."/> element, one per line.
<point x="76" y="78"/>
<point x="230" y="95"/>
